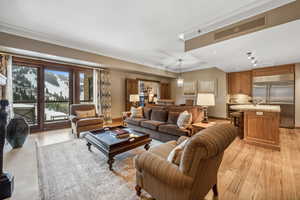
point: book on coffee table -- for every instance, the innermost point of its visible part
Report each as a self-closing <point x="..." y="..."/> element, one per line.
<point x="120" y="133"/>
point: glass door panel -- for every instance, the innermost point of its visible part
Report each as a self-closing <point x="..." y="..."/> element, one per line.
<point x="25" y="93"/>
<point x="86" y="87"/>
<point x="57" y="95"/>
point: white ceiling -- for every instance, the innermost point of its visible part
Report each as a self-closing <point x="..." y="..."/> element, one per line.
<point x="146" y="32"/>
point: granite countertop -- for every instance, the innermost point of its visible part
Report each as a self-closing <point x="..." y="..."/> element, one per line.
<point x="266" y="108"/>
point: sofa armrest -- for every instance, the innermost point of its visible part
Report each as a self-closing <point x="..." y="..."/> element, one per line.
<point x="73" y="118"/>
<point x="163" y="170"/>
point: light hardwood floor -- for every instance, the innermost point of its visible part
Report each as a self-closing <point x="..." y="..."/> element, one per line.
<point x="247" y="172"/>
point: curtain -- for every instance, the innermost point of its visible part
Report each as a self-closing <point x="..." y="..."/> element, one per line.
<point x="102" y="93"/>
<point x="105" y="95"/>
<point x="7" y="90"/>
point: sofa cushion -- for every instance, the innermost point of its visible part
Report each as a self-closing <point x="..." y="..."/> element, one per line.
<point x="175" y="155"/>
<point x="184" y="119"/>
<point x="159" y="115"/>
<point x="172" y="129"/>
<point x="147" y="113"/>
<point x="136" y="112"/>
<point x="134" y="121"/>
<point x="173" y="117"/>
<point x="151" y="124"/>
<point x="89" y="121"/>
<point x="163" y="150"/>
<point x="85" y="113"/>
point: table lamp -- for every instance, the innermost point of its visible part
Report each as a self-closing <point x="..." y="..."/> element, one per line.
<point x="134" y="98"/>
<point x="205" y="100"/>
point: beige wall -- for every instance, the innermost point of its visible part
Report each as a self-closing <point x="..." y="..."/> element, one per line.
<point x="13" y="41"/>
<point x="297" y="95"/>
<point x="207" y="74"/>
<point x="118" y="88"/>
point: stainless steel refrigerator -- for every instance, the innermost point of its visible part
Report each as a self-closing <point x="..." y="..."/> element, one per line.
<point x="277" y="90"/>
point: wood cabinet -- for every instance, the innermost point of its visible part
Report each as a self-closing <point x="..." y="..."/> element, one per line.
<point x="240" y="82"/>
<point x="262" y="129"/>
<point x="165" y="91"/>
<point x="131" y="87"/>
<point x="269" y="71"/>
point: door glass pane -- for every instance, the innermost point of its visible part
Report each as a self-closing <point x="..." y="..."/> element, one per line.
<point x="25" y="93"/>
<point x="56" y="95"/>
<point x="86" y="87"/>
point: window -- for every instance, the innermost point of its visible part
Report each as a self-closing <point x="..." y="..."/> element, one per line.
<point x="43" y="92"/>
<point x="25" y="93"/>
<point x="57" y="93"/>
<point x="86" y="86"/>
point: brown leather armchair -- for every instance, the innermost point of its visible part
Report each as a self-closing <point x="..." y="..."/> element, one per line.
<point x="197" y="171"/>
<point x="80" y="124"/>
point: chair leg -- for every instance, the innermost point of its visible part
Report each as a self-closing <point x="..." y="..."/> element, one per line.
<point x="215" y="190"/>
<point x="138" y="190"/>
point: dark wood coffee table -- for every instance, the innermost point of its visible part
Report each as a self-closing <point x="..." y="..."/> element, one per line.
<point x="111" y="146"/>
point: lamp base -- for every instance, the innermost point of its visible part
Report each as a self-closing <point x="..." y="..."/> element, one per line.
<point x="205" y="117"/>
<point x="6" y="185"/>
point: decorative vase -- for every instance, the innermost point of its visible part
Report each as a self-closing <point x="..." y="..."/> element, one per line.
<point x="17" y="132"/>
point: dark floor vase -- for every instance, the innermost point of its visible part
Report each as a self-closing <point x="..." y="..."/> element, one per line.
<point x="17" y="132"/>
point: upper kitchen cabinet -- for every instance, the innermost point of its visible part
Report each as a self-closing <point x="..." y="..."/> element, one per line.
<point x="270" y="71"/>
<point x="240" y="83"/>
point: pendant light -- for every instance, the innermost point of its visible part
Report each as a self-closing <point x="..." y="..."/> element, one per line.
<point x="180" y="80"/>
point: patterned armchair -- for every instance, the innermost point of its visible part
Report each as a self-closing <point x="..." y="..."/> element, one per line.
<point x="196" y="172"/>
<point x="88" y="123"/>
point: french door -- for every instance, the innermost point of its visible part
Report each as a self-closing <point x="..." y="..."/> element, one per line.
<point x="44" y="91"/>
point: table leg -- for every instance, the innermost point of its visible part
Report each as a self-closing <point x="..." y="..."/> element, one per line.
<point x="110" y="162"/>
<point x="89" y="146"/>
<point x="147" y="147"/>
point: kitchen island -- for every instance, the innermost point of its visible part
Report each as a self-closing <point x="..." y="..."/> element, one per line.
<point x="261" y="124"/>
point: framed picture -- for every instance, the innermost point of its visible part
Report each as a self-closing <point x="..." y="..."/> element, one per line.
<point x="208" y="86"/>
<point x="189" y="88"/>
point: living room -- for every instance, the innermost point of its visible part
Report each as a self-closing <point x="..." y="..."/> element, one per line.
<point x="133" y="104"/>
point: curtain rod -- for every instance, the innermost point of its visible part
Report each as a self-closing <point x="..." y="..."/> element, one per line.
<point x="50" y="60"/>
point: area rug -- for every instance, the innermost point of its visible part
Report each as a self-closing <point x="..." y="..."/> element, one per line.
<point x="68" y="171"/>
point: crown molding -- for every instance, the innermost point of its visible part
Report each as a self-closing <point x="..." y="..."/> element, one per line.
<point x="44" y="37"/>
<point x="249" y="10"/>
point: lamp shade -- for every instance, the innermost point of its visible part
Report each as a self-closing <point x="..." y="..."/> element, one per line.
<point x="205" y="99"/>
<point x="134" y="98"/>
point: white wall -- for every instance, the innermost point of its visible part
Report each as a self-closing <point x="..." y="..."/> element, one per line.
<point x="297" y="95"/>
<point x="219" y="110"/>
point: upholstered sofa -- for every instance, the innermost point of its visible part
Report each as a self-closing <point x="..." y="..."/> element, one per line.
<point x="80" y="124"/>
<point x="161" y="121"/>
<point x="195" y="173"/>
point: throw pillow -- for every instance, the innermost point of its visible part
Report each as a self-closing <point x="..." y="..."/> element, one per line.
<point x="85" y="113"/>
<point x="136" y="112"/>
<point x="184" y="119"/>
<point x="175" y="155"/>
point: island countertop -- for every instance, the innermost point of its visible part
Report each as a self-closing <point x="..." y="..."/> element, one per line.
<point x="265" y="108"/>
